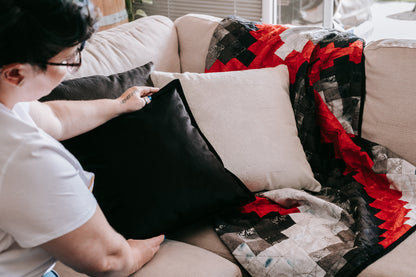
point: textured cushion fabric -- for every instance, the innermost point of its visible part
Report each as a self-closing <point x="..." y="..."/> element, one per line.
<point x="100" y="86"/>
<point x="194" y="51"/>
<point x="389" y="108"/>
<point x="248" y="118"/>
<point x="154" y="169"/>
<point x="178" y="259"/>
<point x="129" y="45"/>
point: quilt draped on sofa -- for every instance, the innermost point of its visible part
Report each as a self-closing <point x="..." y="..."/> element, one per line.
<point x="366" y="205"/>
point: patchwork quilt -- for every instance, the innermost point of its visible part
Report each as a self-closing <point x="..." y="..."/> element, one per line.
<point x="367" y="202"/>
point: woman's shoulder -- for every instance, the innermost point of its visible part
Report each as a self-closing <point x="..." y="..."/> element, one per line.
<point x="20" y="137"/>
<point x="16" y="120"/>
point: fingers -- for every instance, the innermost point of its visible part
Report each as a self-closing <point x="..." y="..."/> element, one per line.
<point x="146" y="91"/>
<point x="146" y="248"/>
<point x="145" y="245"/>
<point x="147" y="99"/>
<point x="135" y="98"/>
<point x="154" y="243"/>
<point x="159" y="239"/>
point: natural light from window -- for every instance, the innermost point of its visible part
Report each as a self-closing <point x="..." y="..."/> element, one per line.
<point x="393" y="19"/>
<point x="368" y="19"/>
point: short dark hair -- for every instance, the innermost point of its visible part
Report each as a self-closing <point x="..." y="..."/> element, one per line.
<point x="34" y="31"/>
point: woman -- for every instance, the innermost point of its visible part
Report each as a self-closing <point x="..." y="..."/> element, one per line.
<point x="47" y="210"/>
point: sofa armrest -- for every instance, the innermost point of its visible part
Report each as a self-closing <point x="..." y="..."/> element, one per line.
<point x="194" y="36"/>
<point x="130" y="45"/>
<point x="389" y="110"/>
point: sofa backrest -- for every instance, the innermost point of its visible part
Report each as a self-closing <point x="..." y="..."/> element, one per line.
<point x="389" y="112"/>
<point x="130" y="45"/>
<point x="182" y="46"/>
<point x="389" y="116"/>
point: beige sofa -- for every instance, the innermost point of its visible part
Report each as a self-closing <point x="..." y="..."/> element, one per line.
<point x="182" y="46"/>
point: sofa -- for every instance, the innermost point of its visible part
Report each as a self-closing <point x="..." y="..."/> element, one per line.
<point x="386" y="117"/>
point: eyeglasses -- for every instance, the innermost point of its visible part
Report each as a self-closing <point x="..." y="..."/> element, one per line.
<point x="74" y="62"/>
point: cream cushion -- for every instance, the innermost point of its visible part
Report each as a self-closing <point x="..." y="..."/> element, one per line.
<point x="176" y="259"/>
<point x="248" y="118"/>
<point x="389" y="109"/>
<point x="194" y="35"/>
<point x="398" y="262"/>
<point x="131" y="45"/>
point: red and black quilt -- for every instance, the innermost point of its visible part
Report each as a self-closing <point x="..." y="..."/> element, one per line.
<point x="366" y="205"/>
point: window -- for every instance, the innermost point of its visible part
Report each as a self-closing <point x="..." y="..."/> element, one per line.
<point x="268" y="11"/>
<point x="369" y="19"/>
<point x="249" y="9"/>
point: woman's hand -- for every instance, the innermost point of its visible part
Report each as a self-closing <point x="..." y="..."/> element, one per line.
<point x="136" y="98"/>
<point x="145" y="249"/>
<point x="96" y="249"/>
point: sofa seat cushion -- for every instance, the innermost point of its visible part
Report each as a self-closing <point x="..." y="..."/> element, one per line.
<point x="202" y="234"/>
<point x="130" y="45"/>
<point x="398" y="262"/>
<point x="248" y="118"/>
<point x="176" y="259"/>
<point x="389" y="108"/>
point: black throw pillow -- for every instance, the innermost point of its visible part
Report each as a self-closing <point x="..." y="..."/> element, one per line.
<point x="100" y="86"/>
<point x="155" y="171"/>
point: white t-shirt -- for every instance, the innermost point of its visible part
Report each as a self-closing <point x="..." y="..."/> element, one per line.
<point x="44" y="193"/>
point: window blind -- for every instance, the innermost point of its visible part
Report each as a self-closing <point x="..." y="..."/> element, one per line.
<point x="249" y="9"/>
<point x="267" y="11"/>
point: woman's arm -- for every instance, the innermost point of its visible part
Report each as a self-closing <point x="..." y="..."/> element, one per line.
<point x="97" y="250"/>
<point x="65" y="119"/>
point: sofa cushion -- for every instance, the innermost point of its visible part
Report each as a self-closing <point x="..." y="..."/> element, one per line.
<point x="179" y="259"/>
<point x="129" y="45"/>
<point x="100" y="86"/>
<point x="389" y="109"/>
<point x="194" y="51"/>
<point x="154" y="169"/>
<point x="202" y="234"/>
<point x="176" y="259"/>
<point x="398" y="262"/>
<point x="254" y="133"/>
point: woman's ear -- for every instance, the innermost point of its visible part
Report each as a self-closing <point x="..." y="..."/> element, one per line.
<point x="12" y="73"/>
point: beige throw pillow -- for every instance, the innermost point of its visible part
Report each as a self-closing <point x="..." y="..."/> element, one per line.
<point x="248" y="118"/>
